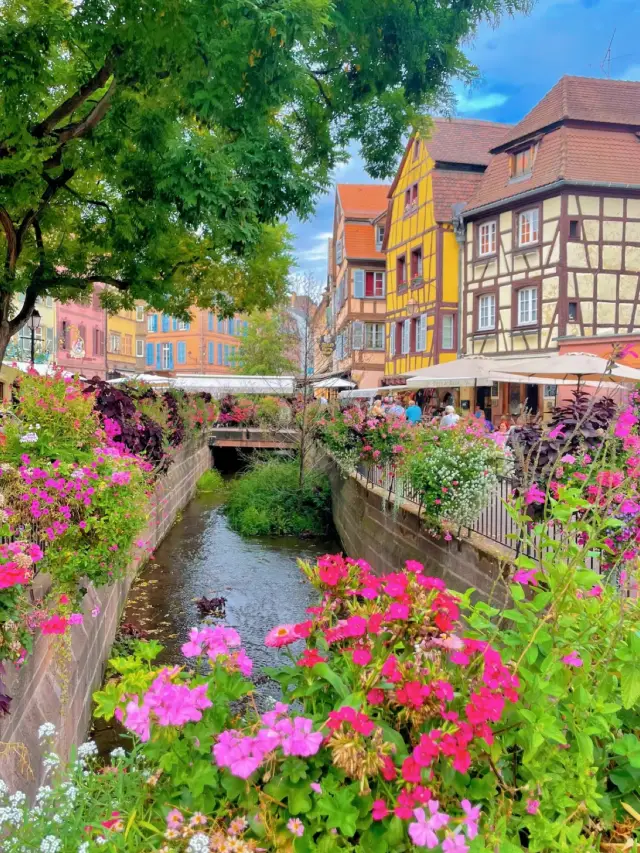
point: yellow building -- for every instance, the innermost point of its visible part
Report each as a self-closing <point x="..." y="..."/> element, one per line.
<point x="121" y="343"/>
<point x="436" y="177"/>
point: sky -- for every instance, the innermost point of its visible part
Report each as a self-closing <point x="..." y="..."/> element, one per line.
<point x="518" y="62"/>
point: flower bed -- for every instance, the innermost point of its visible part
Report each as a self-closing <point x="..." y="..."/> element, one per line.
<point x="76" y="466"/>
<point x="255" y="411"/>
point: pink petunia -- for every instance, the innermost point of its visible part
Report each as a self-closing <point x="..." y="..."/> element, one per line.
<point x="572" y="659"/>
<point x="533" y="806"/>
<point x="526" y="577"/>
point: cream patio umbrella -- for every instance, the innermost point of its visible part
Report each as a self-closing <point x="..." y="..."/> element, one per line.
<point x="580" y="366"/>
<point x="468" y="372"/>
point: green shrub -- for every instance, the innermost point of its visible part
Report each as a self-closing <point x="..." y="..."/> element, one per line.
<point x="211" y="481"/>
<point x="268" y="500"/>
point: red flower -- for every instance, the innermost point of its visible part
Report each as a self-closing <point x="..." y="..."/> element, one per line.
<point x="310" y="657"/>
<point x="375" y="696"/>
<point x="303" y="629"/>
<point x="379" y="810"/>
<point x="108" y="824"/>
<point x="411" y="771"/>
<point x="389" y="772"/>
<point x="55" y="625"/>
<point x="412" y="693"/>
<point x="11" y="575"/>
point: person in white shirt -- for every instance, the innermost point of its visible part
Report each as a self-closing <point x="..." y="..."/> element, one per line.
<point x="450" y="418"/>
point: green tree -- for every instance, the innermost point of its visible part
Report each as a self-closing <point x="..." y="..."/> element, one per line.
<point x="151" y="144"/>
<point x="269" y="346"/>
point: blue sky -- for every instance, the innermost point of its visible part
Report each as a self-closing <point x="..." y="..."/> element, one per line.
<point x="518" y="62"/>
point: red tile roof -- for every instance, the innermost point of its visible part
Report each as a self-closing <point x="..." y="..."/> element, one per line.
<point x="360" y="241"/>
<point x="451" y="188"/>
<point x="464" y="140"/>
<point x="582" y="99"/>
<point x="362" y="201"/>
<point x="584" y="154"/>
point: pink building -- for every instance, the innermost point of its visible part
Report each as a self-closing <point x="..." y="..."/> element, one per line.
<point x="81" y="337"/>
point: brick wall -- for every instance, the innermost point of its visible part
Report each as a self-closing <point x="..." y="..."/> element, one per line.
<point x="57" y="681"/>
<point x="372" y="529"/>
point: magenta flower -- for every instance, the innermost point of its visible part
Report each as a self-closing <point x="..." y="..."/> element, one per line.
<point x="175" y="819"/>
<point x="626" y="421"/>
<point x="557" y="432"/>
<point x="595" y="591"/>
<point x="455" y="844"/>
<point x="361" y="657"/>
<point x="423" y="830"/>
<point x="533" y="806"/>
<point x="76" y="619"/>
<point x="281" y="635"/>
<point x="379" y="810"/>
<point x="534" y="495"/>
<point x="316" y="788"/>
<point x="572" y="659"/>
<point x="298" y="737"/>
<point x="295" y="826"/>
<point x="526" y="577"/>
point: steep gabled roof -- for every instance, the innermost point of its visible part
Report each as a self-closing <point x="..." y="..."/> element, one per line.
<point x="580" y="99"/>
<point x="464" y="140"/>
<point x="362" y="201"/>
<point x="360" y="241"/>
<point x="451" y="188"/>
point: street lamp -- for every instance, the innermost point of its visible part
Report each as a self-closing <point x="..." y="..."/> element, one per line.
<point x="33" y="323"/>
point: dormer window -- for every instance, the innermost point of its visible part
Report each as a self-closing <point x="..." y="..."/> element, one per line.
<point x="379" y="237"/>
<point x="522" y="161"/>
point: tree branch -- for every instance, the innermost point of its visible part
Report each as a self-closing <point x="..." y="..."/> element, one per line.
<point x="79" y="128"/>
<point x="12" y="239"/>
<point x="68" y="107"/>
<point x="321" y="88"/>
<point x="52" y="188"/>
<point x="26" y="311"/>
<point x="93" y="201"/>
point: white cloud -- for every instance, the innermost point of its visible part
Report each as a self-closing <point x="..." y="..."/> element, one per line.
<point x="632" y="73"/>
<point x="470" y="103"/>
<point x="319" y="251"/>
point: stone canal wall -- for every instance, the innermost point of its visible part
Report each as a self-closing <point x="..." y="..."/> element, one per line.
<point x="57" y="681"/>
<point x="385" y="536"/>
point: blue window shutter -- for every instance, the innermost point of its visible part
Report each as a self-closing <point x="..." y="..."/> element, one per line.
<point x="230" y="325"/>
<point x="210" y="352"/>
<point x="165" y="323"/>
<point x="210" y="321"/>
<point x="226" y="354"/>
<point x="174" y="324"/>
<point x="158" y="356"/>
<point x="219" y="353"/>
<point x="170" y="356"/>
<point x="182" y="352"/>
<point x="358" y="284"/>
<point x="187" y="327"/>
<point x="220" y="325"/>
<point x="150" y="355"/>
<point x="155" y="322"/>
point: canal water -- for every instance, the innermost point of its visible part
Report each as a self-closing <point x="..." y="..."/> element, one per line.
<point x="201" y="556"/>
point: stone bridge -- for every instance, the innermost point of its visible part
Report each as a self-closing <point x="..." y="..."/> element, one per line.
<point x="253" y="437"/>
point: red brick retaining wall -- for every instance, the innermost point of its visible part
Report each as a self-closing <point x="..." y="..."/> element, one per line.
<point x="57" y="681"/>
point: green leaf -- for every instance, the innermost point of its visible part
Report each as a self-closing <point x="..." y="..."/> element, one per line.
<point x="585" y="745"/>
<point x="298" y="800"/>
<point x="325" y="671"/>
<point x="340" y="812"/>
<point x="629" y="684"/>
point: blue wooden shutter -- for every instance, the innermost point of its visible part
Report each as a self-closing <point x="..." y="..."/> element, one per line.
<point x="175" y="324"/>
<point x="210" y="353"/>
<point x="149" y="355"/>
<point x="182" y="352"/>
<point x="170" y="356"/>
<point x="158" y="356"/>
<point x="219" y="353"/>
<point x="165" y="323"/>
<point x="358" y="284"/>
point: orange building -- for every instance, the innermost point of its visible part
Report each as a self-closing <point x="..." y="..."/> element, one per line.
<point x="206" y="344"/>
<point x="357" y="282"/>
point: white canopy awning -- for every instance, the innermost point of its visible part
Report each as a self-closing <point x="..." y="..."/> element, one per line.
<point x="222" y="384"/>
<point x="570" y="367"/>
<point x="334" y="382"/>
<point x="467" y="372"/>
<point x="370" y="393"/>
<point x="148" y="378"/>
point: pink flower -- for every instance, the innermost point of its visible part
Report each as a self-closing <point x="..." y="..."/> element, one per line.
<point x="423" y="830"/>
<point x="534" y="495"/>
<point x="526" y="577"/>
<point x="533" y="806"/>
<point x="298" y="737"/>
<point x="295" y="826"/>
<point x="121" y="478"/>
<point x="175" y="819"/>
<point x="281" y="635"/>
<point x="310" y="657"/>
<point x="361" y="657"/>
<point x="572" y="659"/>
<point x="316" y="788"/>
<point x="375" y="696"/>
<point x="557" y="432"/>
<point x="379" y="810"/>
<point x="95" y="612"/>
<point x="55" y="625"/>
<point x="626" y="421"/>
<point x="448" y="537"/>
<point x="453" y="843"/>
<point x="595" y="591"/>
<point x="568" y="458"/>
<point x="471" y="818"/>
<point x="76" y="619"/>
<point x="397" y="611"/>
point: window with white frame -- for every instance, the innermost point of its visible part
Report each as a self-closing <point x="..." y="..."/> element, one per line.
<point x="374" y="336"/>
<point x="379" y="237"/>
<point x="166" y="356"/>
<point x="114" y="343"/>
<point x="527" y="306"/>
<point x="182" y="326"/>
<point x="447" y="331"/>
<point x="139" y="348"/>
<point x="140" y="313"/>
<point x="421" y="333"/>
<point x="487" y="238"/>
<point x="406" y="336"/>
<point x="528" y="227"/>
<point x="486" y="312"/>
<point x="392" y="339"/>
<point x="338" y="251"/>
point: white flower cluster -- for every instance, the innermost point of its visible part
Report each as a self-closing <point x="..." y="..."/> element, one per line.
<point x="30" y="437"/>
<point x="198" y="843"/>
<point x="118" y="752"/>
<point x="46" y="730"/>
<point x="87" y="750"/>
<point x="50" y="844"/>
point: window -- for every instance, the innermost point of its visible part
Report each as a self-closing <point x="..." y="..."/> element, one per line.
<point x="416" y="264"/>
<point x="447" y="331"/>
<point x="149" y="355"/>
<point x="374" y="336"/>
<point x="374" y="284"/>
<point x="63" y="340"/>
<point x="487" y="238"/>
<point x="128" y="345"/>
<point x="406" y="337"/>
<point x="139" y="348"/>
<point x="522" y="162"/>
<point x="210" y="321"/>
<point x="411" y="198"/>
<point x="527" y="306"/>
<point x="220" y="326"/>
<point x="182" y="326"/>
<point x="231" y="329"/>
<point x="486" y="312"/>
<point x="182" y="352"/>
<point x="338" y="252"/>
<point x="421" y="333"/>
<point x="401" y="272"/>
<point x="114" y="343"/>
<point x="140" y="313"/>
<point x="528" y="227"/>
<point x="219" y="353"/>
<point x="49" y="304"/>
<point x="211" y="350"/>
<point x="574" y="229"/>
<point x="233" y="356"/>
<point x="50" y="346"/>
<point x="572" y="312"/>
<point x="416" y="149"/>
<point x="226" y="354"/>
<point x="379" y="237"/>
<point x="165" y="322"/>
<point x="152" y="323"/>
<point x="98" y="342"/>
<point x="166" y="357"/>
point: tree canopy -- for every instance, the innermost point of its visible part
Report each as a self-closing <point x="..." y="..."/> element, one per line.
<point x="154" y="145"/>
<point x="269" y="346"/>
